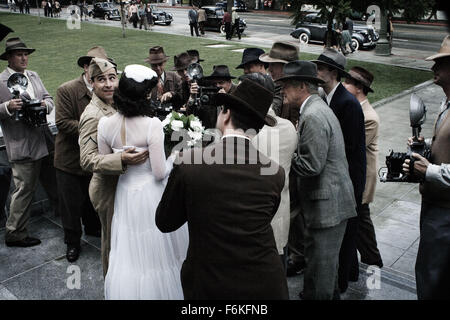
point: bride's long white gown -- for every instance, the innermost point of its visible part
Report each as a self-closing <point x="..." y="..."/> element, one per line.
<point x="144" y="263"/>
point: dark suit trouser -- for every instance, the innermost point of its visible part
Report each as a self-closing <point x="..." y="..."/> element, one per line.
<point x="297" y="238"/>
<point x="322" y="260"/>
<point x="194" y="26"/>
<point x="366" y="241"/>
<point x="74" y="204"/>
<point x="348" y="255"/>
<point x="433" y="257"/>
<point x="5" y="182"/>
<point x="26" y="177"/>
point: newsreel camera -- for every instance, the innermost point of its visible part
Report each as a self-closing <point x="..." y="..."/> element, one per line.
<point x="203" y="105"/>
<point x="161" y="109"/>
<point x="395" y="160"/>
<point x="32" y="113"/>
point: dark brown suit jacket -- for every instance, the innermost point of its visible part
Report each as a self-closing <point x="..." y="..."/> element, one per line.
<point x="228" y="207"/>
<point x="172" y="83"/>
<point x="72" y="98"/>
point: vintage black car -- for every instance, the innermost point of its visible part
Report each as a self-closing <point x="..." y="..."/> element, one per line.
<point x="214" y="17"/>
<point x="240" y="5"/>
<point x="160" y="16"/>
<point x="313" y="27"/>
<point x="105" y="10"/>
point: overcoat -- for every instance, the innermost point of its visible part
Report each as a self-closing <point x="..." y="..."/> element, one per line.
<point x="228" y="207"/>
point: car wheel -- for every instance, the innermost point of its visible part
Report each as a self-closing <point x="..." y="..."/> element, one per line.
<point x="168" y="23"/>
<point x="222" y="29"/>
<point x="355" y="44"/>
<point x="303" y="38"/>
<point x="106" y="17"/>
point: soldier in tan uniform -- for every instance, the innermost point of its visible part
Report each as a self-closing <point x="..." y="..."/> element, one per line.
<point x="106" y="168"/>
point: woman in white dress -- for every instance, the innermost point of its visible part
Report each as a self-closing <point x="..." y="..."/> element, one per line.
<point x="144" y="263"/>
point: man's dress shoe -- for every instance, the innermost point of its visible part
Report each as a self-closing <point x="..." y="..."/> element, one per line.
<point x="73" y="252"/>
<point x="27" y="242"/>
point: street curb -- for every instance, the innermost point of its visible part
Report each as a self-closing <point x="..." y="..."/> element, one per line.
<point x="402" y="94"/>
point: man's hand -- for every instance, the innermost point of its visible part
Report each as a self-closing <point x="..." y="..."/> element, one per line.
<point x="411" y="139"/>
<point x="166" y="97"/>
<point x="420" y="165"/>
<point x="15" y="104"/>
<point x="194" y="88"/>
<point x="131" y="157"/>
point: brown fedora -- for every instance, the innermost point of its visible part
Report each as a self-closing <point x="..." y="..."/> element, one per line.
<point x="282" y="52"/>
<point x="220" y="72"/>
<point x="94" y="52"/>
<point x="13" y="44"/>
<point x="444" y="51"/>
<point x="181" y="61"/>
<point x="250" y="98"/>
<point x="156" y="55"/>
<point x="362" y="76"/>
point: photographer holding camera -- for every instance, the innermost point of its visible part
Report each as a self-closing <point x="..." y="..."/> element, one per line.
<point x="27" y="147"/>
<point x="433" y="256"/>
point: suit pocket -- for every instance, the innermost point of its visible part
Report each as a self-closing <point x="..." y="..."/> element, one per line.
<point x="319" y="194"/>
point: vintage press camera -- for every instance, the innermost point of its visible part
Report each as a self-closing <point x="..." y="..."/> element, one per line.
<point x="203" y="106"/>
<point x="32" y="113"/>
<point x="161" y="109"/>
<point x="395" y="160"/>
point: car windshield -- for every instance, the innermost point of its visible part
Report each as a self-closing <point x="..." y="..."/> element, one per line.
<point x="219" y="12"/>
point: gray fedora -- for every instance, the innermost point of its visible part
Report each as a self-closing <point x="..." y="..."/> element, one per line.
<point x="300" y="70"/>
<point x="334" y="59"/>
<point x="13" y="44"/>
<point x="282" y="52"/>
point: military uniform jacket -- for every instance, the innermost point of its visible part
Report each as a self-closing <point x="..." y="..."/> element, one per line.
<point x="23" y="142"/>
<point x="228" y="207"/>
<point x="71" y="99"/>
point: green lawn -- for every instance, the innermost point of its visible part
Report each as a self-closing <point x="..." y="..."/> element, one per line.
<point x="58" y="49"/>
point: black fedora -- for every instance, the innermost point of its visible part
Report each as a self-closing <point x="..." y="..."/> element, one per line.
<point x="13" y="44"/>
<point x="220" y="72"/>
<point x="181" y="61"/>
<point x="249" y="98"/>
<point x="250" y="55"/>
<point x="334" y="59"/>
<point x="300" y="70"/>
<point x="195" y="54"/>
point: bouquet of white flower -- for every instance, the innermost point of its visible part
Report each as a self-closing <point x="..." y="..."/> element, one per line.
<point x="181" y="131"/>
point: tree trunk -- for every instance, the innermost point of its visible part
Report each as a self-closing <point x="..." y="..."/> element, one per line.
<point x="330" y="28"/>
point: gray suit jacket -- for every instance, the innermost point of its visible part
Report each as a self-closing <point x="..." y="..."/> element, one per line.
<point x="23" y="143"/>
<point x="325" y="189"/>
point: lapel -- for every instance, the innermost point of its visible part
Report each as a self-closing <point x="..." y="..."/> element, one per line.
<point x="334" y="103"/>
<point x="82" y="89"/>
<point x="310" y="101"/>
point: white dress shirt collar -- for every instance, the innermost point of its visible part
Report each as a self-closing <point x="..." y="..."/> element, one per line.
<point x="330" y="95"/>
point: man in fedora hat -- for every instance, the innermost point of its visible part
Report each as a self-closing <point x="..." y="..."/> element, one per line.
<point x="358" y="83"/>
<point x="325" y="189"/>
<point x="29" y="148"/>
<point x="72" y="98"/>
<point x="232" y="252"/>
<point x="280" y="54"/>
<point x="106" y="168"/>
<point x="433" y="256"/>
<point x="330" y="68"/>
<point x="168" y="88"/>
<point x="250" y="61"/>
<point x="219" y="78"/>
<point x="181" y="63"/>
